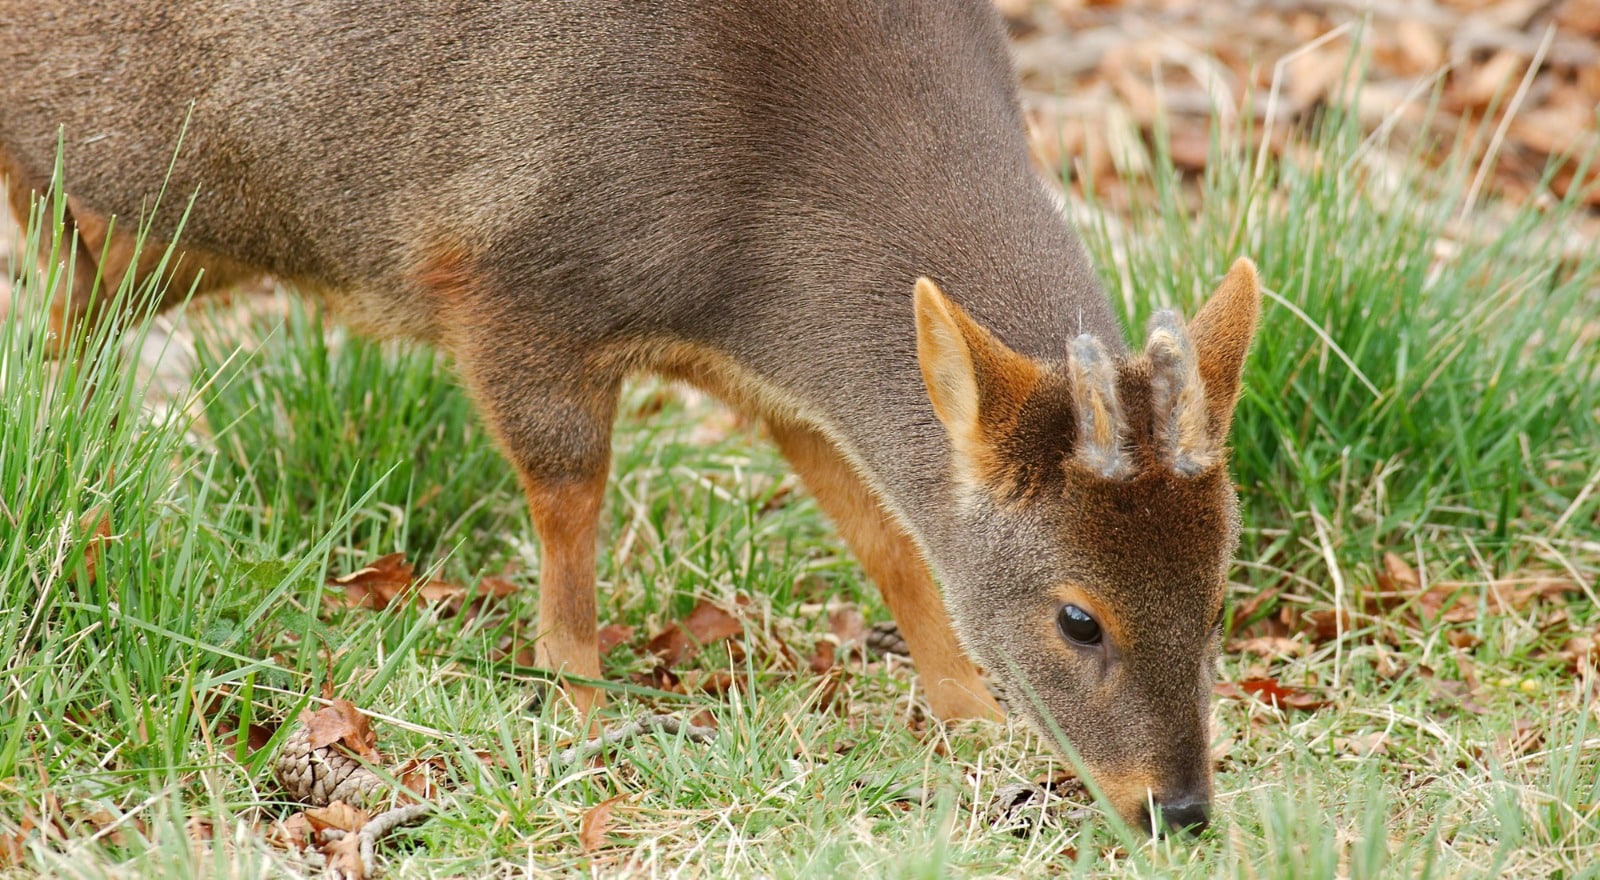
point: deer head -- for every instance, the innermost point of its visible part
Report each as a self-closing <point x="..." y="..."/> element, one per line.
<point x="1096" y="524"/>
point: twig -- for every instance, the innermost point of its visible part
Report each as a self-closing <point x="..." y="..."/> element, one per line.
<point x="379" y="827"/>
<point x="667" y="724"/>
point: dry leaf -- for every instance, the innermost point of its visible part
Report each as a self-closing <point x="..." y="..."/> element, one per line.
<point x="293" y="833"/>
<point x="704" y="718"/>
<point x="344" y="857"/>
<point x="338" y="815"/>
<point x="722" y="682"/>
<point x="849" y="628"/>
<point x="596" y="822"/>
<point x="1270" y="647"/>
<point x="822" y="659"/>
<point x="420" y="777"/>
<point x="1249" y="607"/>
<point x="377" y="584"/>
<point x="1325" y="625"/>
<point x="390" y="579"/>
<point x="11" y="849"/>
<point x="343" y="723"/>
<point x="1273" y="693"/>
<point x="705" y="625"/>
<point x="1366" y="745"/>
<point x="1582" y="653"/>
<point x="826" y="696"/>
<point x="612" y="635"/>
<point x="199" y="829"/>
<point x="490" y="589"/>
<point x="99" y="534"/>
<point x="659" y="677"/>
<point x="1460" y="638"/>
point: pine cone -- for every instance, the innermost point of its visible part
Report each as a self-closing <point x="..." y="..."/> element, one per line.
<point x="884" y="638"/>
<point x="319" y="777"/>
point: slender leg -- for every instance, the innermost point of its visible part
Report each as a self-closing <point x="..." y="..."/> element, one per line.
<point x="566" y="515"/>
<point x="890" y="558"/>
<point x="554" y="423"/>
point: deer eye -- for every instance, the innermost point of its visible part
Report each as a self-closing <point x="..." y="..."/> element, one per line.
<point x="1077" y="625"/>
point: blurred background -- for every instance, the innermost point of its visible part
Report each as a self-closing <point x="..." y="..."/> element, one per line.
<point x="1518" y="82"/>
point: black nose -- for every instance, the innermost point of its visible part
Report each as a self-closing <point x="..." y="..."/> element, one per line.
<point x="1190" y="817"/>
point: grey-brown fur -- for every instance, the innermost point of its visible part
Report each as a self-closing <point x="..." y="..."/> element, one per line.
<point x="742" y="194"/>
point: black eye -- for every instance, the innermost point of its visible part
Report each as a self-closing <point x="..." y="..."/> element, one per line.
<point x="1077" y="625"/>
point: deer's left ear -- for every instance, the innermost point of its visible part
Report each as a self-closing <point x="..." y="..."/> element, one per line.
<point x="976" y="384"/>
<point x="1221" y="335"/>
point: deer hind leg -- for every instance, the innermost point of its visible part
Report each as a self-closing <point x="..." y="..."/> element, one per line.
<point x="103" y="253"/>
<point x="68" y="303"/>
<point x="887" y="554"/>
<point x="557" y="433"/>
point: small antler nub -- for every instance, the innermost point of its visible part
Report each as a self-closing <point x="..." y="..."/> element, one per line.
<point x="1178" y="396"/>
<point x="1099" y="415"/>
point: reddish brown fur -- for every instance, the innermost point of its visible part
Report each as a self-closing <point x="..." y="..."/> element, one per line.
<point x="1228" y="323"/>
<point x="890" y="558"/>
<point x="446" y="272"/>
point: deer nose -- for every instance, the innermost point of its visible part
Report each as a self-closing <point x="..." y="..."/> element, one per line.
<point x="1189" y="817"/>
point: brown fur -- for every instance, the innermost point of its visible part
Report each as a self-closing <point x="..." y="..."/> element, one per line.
<point x="742" y="195"/>
<point x="890" y="558"/>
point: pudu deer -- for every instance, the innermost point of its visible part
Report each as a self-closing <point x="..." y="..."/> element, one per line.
<point x="822" y="212"/>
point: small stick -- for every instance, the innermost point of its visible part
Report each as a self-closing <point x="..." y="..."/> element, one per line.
<point x="378" y="827"/>
<point x="665" y="723"/>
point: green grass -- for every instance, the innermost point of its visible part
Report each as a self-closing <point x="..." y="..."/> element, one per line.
<point x="1440" y="408"/>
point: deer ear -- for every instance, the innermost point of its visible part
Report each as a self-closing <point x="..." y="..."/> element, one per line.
<point x="1221" y="336"/>
<point x="976" y="384"/>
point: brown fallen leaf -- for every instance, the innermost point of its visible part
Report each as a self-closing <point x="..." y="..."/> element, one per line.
<point x="1365" y="745"/>
<point x="1246" y="610"/>
<point x="390" y="579"/>
<point x="1460" y="638"/>
<point x="344" y="858"/>
<point x="338" y="815"/>
<point x="705" y="625"/>
<point x="97" y="523"/>
<point x="704" y="718"/>
<point x="823" y="658"/>
<point x="419" y="777"/>
<point x="1325" y="625"/>
<point x="826" y="697"/>
<point x="1269" y="647"/>
<point x="849" y="628"/>
<point x="1273" y="693"/>
<point x="1581" y="653"/>
<point x="11" y="847"/>
<point x="378" y="583"/>
<point x="200" y="830"/>
<point x="596" y="822"/>
<point x="721" y="682"/>
<point x="293" y="833"/>
<point x="256" y="736"/>
<point x="612" y="635"/>
<point x="490" y="589"/>
<point x="659" y="677"/>
<point x="342" y="723"/>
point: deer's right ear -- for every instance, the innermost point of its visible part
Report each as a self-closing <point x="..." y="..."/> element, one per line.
<point x="1221" y="334"/>
<point x="976" y="384"/>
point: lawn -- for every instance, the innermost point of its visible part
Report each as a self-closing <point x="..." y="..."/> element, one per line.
<point x="1407" y="690"/>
